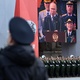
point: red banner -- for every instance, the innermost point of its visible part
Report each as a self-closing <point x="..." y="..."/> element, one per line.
<point x="28" y="10"/>
<point x="39" y="3"/>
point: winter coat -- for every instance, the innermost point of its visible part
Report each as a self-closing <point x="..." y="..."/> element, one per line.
<point x="18" y="62"/>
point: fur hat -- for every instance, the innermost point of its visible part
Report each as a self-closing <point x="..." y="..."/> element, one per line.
<point x="21" y="31"/>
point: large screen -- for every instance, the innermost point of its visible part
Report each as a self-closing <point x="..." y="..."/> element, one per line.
<point x="57" y="21"/>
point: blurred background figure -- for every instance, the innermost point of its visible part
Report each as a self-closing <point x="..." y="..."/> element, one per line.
<point x="51" y="22"/>
<point x="42" y="15"/>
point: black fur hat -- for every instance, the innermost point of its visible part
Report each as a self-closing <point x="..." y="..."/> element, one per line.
<point x="21" y="31"/>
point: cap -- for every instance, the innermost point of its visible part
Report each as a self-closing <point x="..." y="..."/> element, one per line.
<point x="21" y="31"/>
<point x="71" y="56"/>
<point x="69" y="19"/>
<point x="69" y="3"/>
<point x="47" y="1"/>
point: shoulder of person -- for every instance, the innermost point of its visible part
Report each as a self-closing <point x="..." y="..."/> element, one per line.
<point x="38" y="70"/>
<point x="37" y="66"/>
<point x="74" y="31"/>
<point x="64" y="15"/>
<point x="49" y="16"/>
<point x="42" y="11"/>
<point x="74" y="14"/>
<point x="4" y="61"/>
<point x="57" y="15"/>
<point x="39" y="62"/>
<point x="1" y="60"/>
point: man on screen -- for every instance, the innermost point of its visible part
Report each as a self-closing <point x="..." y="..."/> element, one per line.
<point x="61" y="4"/>
<point x="42" y="15"/>
<point x="51" y="22"/>
<point x="69" y="9"/>
<point x="70" y="32"/>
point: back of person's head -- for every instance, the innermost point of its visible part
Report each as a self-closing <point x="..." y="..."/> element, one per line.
<point x="21" y="31"/>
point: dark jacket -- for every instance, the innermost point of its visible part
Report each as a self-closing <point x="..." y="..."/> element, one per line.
<point x="72" y="37"/>
<point x="19" y="63"/>
<point x="51" y="25"/>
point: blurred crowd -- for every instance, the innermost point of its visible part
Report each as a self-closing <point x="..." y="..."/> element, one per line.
<point x="62" y="66"/>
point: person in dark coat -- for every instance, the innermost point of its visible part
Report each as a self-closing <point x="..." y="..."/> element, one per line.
<point x="51" y="22"/>
<point x="17" y="59"/>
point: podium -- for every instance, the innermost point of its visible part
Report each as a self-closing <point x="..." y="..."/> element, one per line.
<point x="55" y="36"/>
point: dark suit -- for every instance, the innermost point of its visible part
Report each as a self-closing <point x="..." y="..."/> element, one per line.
<point x="50" y="24"/>
<point x="63" y="20"/>
<point x="18" y="62"/>
<point x="72" y="37"/>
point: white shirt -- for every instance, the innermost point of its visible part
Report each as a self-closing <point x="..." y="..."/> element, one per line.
<point x="52" y="17"/>
<point x="69" y="14"/>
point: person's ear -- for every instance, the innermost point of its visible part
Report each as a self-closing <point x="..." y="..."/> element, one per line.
<point x="10" y="40"/>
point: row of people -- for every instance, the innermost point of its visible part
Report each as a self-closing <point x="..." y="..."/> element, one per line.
<point x="61" y="6"/>
<point x="62" y="67"/>
<point x="49" y="20"/>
